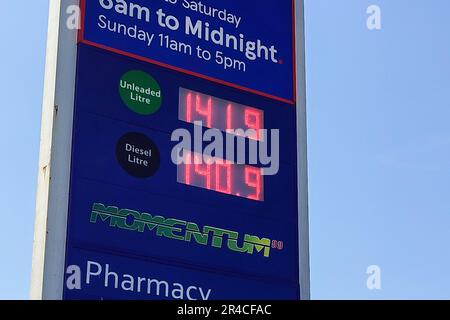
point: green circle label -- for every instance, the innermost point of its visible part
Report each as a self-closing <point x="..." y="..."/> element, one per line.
<point x="140" y="92"/>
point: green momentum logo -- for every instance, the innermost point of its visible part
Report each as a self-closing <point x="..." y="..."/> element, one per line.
<point x="140" y="92"/>
<point x="132" y="220"/>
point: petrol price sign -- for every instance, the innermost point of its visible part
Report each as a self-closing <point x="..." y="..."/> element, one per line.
<point x="186" y="171"/>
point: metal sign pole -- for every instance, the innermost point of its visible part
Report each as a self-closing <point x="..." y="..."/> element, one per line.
<point x="302" y="154"/>
<point x="55" y="153"/>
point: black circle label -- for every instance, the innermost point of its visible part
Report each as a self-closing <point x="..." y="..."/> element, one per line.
<point x="138" y="155"/>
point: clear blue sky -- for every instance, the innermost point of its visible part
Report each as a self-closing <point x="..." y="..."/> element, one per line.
<point x="379" y="145"/>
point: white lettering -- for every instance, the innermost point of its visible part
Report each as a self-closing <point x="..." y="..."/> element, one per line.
<point x="188" y="293"/>
<point x="127" y="282"/>
<point x="132" y="10"/>
<point x="90" y="273"/>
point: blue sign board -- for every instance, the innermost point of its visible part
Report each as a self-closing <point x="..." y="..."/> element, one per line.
<point x="141" y="225"/>
<point x="248" y="45"/>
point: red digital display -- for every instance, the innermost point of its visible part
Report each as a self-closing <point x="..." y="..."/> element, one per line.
<point x="221" y="176"/>
<point x="220" y="114"/>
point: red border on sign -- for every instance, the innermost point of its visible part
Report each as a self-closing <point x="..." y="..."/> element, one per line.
<point x="81" y="39"/>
